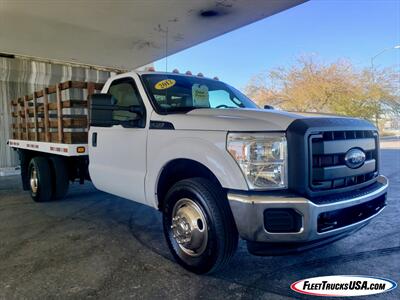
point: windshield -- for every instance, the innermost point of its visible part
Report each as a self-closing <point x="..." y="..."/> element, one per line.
<point x="176" y="93"/>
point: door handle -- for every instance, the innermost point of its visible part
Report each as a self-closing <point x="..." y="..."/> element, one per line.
<point x="94" y="139"/>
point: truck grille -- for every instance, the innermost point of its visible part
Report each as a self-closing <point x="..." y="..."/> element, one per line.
<point x="328" y="170"/>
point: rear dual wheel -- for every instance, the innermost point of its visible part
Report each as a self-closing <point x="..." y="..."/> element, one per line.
<point x="48" y="178"/>
<point x="40" y="179"/>
<point x="60" y="178"/>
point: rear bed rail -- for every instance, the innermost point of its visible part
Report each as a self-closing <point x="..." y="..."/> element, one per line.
<point x="56" y="114"/>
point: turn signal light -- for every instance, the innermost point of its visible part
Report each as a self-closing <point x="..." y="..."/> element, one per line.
<point x="80" y="149"/>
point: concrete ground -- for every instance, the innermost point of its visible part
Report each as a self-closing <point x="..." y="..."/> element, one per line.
<point x="94" y="245"/>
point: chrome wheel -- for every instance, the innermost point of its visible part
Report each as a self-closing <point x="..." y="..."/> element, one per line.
<point x="34" y="180"/>
<point x="189" y="227"/>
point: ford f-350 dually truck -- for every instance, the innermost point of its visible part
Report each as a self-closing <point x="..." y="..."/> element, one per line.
<point x="216" y="165"/>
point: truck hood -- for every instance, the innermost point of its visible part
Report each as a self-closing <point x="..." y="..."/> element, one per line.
<point x="232" y="119"/>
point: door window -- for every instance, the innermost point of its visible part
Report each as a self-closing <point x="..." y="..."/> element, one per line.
<point x="128" y="99"/>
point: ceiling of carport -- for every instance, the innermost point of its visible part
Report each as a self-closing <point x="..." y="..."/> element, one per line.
<point x="121" y="34"/>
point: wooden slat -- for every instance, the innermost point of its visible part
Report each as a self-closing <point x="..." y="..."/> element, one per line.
<point x="28" y="98"/>
<point x="35" y="118"/>
<point x="73" y="85"/>
<point x="20" y="101"/>
<point x="18" y="119"/>
<point x="51" y="89"/>
<point x="67" y="123"/>
<point x="54" y="115"/>
<point x="46" y="115"/>
<point x="65" y="104"/>
<point x="26" y="112"/>
<point x="74" y="104"/>
<point x="19" y="113"/>
<point x="69" y="137"/>
<point x="76" y="137"/>
<point x="14" y="119"/>
<point x="13" y="109"/>
<point x="75" y="123"/>
<point x="80" y="85"/>
<point x="65" y="85"/>
<point x="39" y="94"/>
<point x="59" y="114"/>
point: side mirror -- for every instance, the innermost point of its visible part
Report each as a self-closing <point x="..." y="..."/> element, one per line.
<point x="101" y="110"/>
<point x="268" y="107"/>
<point x="104" y="112"/>
<point x="102" y="107"/>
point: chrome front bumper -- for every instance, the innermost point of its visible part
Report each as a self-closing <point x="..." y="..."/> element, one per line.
<point x="248" y="211"/>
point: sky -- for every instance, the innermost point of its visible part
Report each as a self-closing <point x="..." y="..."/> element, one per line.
<point x="354" y="30"/>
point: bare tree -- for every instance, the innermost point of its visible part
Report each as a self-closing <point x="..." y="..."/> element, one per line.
<point x="337" y="88"/>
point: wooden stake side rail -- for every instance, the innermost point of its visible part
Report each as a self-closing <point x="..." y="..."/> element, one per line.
<point x="36" y="118"/>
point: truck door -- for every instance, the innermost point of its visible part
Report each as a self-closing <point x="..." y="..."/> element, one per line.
<point x="117" y="154"/>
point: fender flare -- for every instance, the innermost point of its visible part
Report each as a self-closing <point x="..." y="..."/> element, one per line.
<point x="220" y="163"/>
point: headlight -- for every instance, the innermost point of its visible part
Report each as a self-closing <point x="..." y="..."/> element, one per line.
<point x="262" y="158"/>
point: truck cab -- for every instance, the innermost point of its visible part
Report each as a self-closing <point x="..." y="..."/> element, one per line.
<point x="217" y="166"/>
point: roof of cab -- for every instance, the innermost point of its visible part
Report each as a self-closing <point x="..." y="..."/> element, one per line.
<point x="169" y="73"/>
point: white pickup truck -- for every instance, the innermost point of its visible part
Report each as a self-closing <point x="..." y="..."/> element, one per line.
<point x="217" y="166"/>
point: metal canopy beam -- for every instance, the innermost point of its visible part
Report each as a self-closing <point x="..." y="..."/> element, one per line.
<point x="121" y="34"/>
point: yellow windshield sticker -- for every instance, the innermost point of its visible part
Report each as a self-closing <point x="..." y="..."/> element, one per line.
<point x="164" y="84"/>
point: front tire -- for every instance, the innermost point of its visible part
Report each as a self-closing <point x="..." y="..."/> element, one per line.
<point x="199" y="226"/>
<point x="40" y="179"/>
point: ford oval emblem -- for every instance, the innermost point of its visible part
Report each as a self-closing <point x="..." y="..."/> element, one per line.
<point x="354" y="158"/>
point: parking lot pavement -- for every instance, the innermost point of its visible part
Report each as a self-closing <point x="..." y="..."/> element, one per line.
<point x="94" y="245"/>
